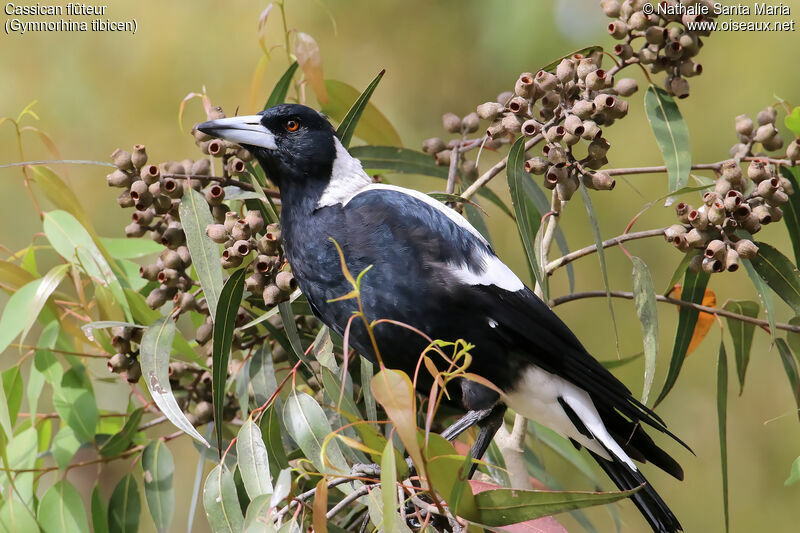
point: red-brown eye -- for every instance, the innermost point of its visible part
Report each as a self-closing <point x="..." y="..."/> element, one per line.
<point x="292" y="125"/>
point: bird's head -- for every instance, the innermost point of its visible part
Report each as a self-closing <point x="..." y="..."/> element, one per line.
<point x="293" y="143"/>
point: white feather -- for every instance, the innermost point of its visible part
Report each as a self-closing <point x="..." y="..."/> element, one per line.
<point x="535" y="397"/>
<point x="347" y="178"/>
<point x="494" y="272"/>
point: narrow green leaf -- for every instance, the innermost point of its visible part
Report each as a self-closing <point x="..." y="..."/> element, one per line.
<point x="61" y="510"/>
<point x="65" y="445"/>
<point x="290" y="327"/>
<point x="389" y="488"/>
<point x="369" y="400"/>
<point x="262" y="374"/>
<point x="253" y="460"/>
<point x="502" y="507"/>
<point x="271" y="431"/>
<point x="119" y="442"/>
<point x="763" y="294"/>
<point x="278" y="94"/>
<point x="221" y="502"/>
<point x="792" y="121"/>
<point x="49" y="284"/>
<point x="13" y="389"/>
<point x="722" y="413"/>
<point x="99" y="511"/>
<point x="75" y="403"/>
<point x="585" y="52"/>
<point x="395" y="392"/>
<point x="601" y="256"/>
<point x="397" y="160"/>
<point x="125" y="248"/>
<point x="159" y="469"/>
<point x="779" y="273"/>
<point x="14" y="315"/>
<point x="125" y="506"/>
<point x="15" y="516"/>
<point x="257" y="518"/>
<point x="75" y="244"/>
<point x="794" y="473"/>
<point x="645" y="302"/>
<point x="60" y="194"/>
<point x="791" y="209"/>
<point x="224" y="323"/>
<point x="694" y="288"/>
<point x="742" y="334"/>
<point x="672" y="136"/>
<point x="791" y="367"/>
<point x="308" y="425"/>
<point x="154" y="359"/>
<point x="528" y="217"/>
<point x="195" y="217"/>
<point x="349" y="107"/>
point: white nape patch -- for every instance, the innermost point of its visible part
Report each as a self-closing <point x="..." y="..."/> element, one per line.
<point x="245" y="129"/>
<point x="493" y="272"/>
<point x="535" y="396"/>
<point x="492" y="323"/>
<point x="347" y="178"/>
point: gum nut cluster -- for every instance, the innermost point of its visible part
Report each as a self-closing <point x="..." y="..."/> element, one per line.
<point x="663" y="42"/>
<point x="443" y="151"/>
<point x="762" y="131"/>
<point x="728" y="208"/>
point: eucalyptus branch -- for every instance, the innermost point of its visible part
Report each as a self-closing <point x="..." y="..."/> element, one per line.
<point x="682" y="303"/>
<point x="703" y="166"/>
<point x="300" y="498"/>
<point x="577" y="254"/>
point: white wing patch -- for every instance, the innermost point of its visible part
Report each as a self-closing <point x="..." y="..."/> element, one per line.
<point x="347" y="178"/>
<point x="494" y="272"/>
<point x="535" y="396"/>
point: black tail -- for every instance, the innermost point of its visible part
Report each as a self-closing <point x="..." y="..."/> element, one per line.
<point x="650" y="504"/>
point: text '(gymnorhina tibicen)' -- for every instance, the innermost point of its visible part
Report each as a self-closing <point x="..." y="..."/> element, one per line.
<point x="432" y="270"/>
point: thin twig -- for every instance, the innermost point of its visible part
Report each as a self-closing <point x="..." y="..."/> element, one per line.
<point x="704" y="308"/>
<point x="356" y="494"/>
<point x="577" y="254"/>
<point x="455" y="153"/>
<point x="704" y="166"/>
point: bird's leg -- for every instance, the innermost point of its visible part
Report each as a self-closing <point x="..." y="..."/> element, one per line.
<point x="465" y="422"/>
<point x="488" y="428"/>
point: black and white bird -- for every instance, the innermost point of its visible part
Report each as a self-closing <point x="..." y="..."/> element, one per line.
<point x="432" y="270"/>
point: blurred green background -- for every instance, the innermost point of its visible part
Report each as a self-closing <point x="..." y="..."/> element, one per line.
<point x="97" y="91"/>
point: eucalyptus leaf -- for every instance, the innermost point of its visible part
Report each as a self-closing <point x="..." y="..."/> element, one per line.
<point x="159" y="470"/>
<point x="741" y="334"/>
<point x="763" y="294"/>
<point x="253" y="460"/>
<point x="99" y="511"/>
<point x="75" y="404"/>
<point x="790" y="365"/>
<point x="780" y="274"/>
<point x="126" y="248"/>
<point x="672" y="136"/>
<point x="221" y="502"/>
<point x="119" y="442"/>
<point x="195" y="217"/>
<point x="61" y="510"/>
<point x="154" y="359"/>
<point x="791" y="209"/>
<point x="644" y="297"/>
<point x="397" y="160"/>
<point x="224" y="323"/>
<point x="694" y="288"/>
<point x="356" y="115"/>
<point x="125" y="506"/>
<point x="722" y="413"/>
<point x="308" y="425"/>
<point x="278" y="94"/>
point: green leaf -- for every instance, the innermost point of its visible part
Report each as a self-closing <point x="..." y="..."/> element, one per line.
<point x="601" y="256"/>
<point x="195" y="217"/>
<point x="763" y="294"/>
<point x="75" y="244"/>
<point x="50" y="282"/>
<point x="528" y="217"/>
<point x="395" y="392"/>
<point x="502" y="507"/>
<point x="780" y="274"/>
<point x="794" y="473"/>
<point x="99" y="511"/>
<point x="791" y="367"/>
<point x="119" y="442"/>
<point x="61" y="510"/>
<point x="125" y="506"/>
<point x="159" y="470"/>
<point x="257" y="518"/>
<point x="262" y="374"/>
<point x="14" y="276"/>
<point x="792" y="122"/>
<point x="15" y="313"/>
<point x="15" y="516"/>
<point x="308" y="425"/>
<point x="224" y="324"/>
<point x="75" y="404"/>
<point x="742" y="334"/>
<point x="349" y="107"/>
<point x="125" y="248"/>
<point x="60" y="194"/>
<point x="154" y="359"/>
<point x="694" y="288"/>
<point x="366" y="390"/>
<point x="221" y="502"/>
<point x="278" y="94"/>
<point x="791" y="209"/>
<point x="12" y="385"/>
<point x="253" y="460"/>
<point x="389" y="488"/>
<point x="65" y="445"/>
<point x="722" y="413"/>
<point x="397" y="160"/>
<point x="644" y="297"/>
<point x="672" y="136"/>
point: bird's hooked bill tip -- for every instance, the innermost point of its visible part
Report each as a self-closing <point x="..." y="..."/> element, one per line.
<point x="244" y="130"/>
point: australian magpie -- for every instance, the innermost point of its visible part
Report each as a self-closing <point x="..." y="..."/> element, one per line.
<point x="432" y="270"/>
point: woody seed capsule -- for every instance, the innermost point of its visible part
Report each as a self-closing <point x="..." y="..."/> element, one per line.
<point x="531" y="127"/>
<point x="715" y="249"/>
<point x="489" y="110"/>
<point x="536" y="165"/>
<point x="566" y="70"/>
<point x="518" y="105"/>
<point x="744" y="125"/>
<point x="471" y="122"/>
<point x="765" y="132"/>
<point x="241" y="230"/>
<point x="451" y="122"/>
<point x="122" y="159"/>
<point x="767" y="116"/>
<point x="215" y="195"/>
<point x="773" y="144"/>
<point x="623" y="51"/>
<point x="583" y="108"/>
<point x="618" y="29"/>
<point x="524" y="86"/>
<point x="793" y="150"/>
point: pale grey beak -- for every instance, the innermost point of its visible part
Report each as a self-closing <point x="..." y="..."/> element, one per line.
<point x="246" y="130"/>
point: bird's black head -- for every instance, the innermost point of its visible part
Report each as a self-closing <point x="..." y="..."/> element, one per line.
<point x="293" y="143"/>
